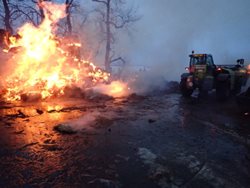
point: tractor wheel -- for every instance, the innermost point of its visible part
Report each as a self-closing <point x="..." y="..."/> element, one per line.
<point x="186" y="92"/>
<point x="223" y="90"/>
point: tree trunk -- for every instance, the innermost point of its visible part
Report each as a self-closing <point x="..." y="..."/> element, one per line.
<point x="7" y="17"/>
<point x="41" y="10"/>
<point x="108" y="33"/>
<point x="69" y="25"/>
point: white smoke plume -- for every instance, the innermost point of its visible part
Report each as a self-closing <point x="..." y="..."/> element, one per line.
<point x="85" y="122"/>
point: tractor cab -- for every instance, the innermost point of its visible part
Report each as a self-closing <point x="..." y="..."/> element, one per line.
<point x="201" y="65"/>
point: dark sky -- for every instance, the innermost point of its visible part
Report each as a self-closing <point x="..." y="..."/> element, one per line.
<point x="170" y="29"/>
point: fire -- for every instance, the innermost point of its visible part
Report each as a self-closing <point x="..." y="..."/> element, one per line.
<point x="115" y="89"/>
<point x="54" y="108"/>
<point x="43" y="64"/>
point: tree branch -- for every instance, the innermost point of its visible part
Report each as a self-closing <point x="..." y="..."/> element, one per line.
<point x="117" y="59"/>
<point x="100" y="1"/>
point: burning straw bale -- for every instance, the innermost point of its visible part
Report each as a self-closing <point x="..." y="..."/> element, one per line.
<point x="31" y="97"/>
<point x="44" y="67"/>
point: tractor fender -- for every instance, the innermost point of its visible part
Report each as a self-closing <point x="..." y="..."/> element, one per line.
<point x="185" y="75"/>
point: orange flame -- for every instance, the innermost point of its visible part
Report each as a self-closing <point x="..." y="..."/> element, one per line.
<point x="43" y="64"/>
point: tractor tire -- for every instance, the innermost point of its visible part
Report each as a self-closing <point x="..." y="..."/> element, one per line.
<point x="223" y="90"/>
<point x="186" y="92"/>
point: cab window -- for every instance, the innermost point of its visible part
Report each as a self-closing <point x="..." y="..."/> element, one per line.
<point x="198" y="60"/>
<point x="210" y="61"/>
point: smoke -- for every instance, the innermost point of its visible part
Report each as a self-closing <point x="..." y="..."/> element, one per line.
<point x="85" y="121"/>
<point x="170" y="29"/>
<point x="148" y="82"/>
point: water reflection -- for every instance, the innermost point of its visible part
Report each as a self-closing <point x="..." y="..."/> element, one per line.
<point x="34" y="122"/>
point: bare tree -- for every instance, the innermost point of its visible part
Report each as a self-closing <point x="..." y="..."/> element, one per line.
<point x="68" y="4"/>
<point x="41" y="11"/>
<point x="67" y="25"/>
<point x="39" y="3"/>
<point x="16" y="12"/>
<point x="7" y="16"/>
<point x="114" y="16"/>
<point x="24" y="12"/>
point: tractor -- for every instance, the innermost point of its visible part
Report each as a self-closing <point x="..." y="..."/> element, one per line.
<point x="204" y="75"/>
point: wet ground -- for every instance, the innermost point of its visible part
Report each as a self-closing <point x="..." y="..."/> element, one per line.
<point x="153" y="141"/>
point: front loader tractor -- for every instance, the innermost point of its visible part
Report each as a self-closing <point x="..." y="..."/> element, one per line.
<point x="204" y="75"/>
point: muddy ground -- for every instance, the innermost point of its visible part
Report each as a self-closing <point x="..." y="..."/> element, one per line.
<point x="152" y="141"/>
